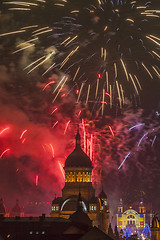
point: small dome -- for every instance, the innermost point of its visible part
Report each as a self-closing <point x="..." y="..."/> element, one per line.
<point x="102" y="194"/>
<point x="78" y="158"/>
<point x="57" y="200"/>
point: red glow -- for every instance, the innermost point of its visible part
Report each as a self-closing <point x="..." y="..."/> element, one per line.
<point x="23" y="140"/>
<point x="108" y="94"/>
<point x="51" y="82"/>
<point x="52" y="149"/>
<point x="77" y="91"/>
<point x="55" y="124"/>
<point x="66" y="126"/>
<point x="104" y="102"/>
<point x="63" y="95"/>
<point x="61" y="168"/>
<point x="99" y="75"/>
<point x="5" y="129"/>
<point x="111" y="131"/>
<point x="23" y="133"/>
<point x="4" y="152"/>
<point x="84" y="135"/>
<point x="54" y="110"/>
<point x="37" y="178"/>
<point x="79" y="113"/>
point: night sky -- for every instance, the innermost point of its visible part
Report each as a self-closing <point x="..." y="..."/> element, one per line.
<point x="39" y="152"/>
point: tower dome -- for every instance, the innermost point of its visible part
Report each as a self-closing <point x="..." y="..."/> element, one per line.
<point x="78" y="158"/>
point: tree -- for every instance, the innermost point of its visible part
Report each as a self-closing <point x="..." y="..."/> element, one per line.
<point x="116" y="233"/>
<point x="146" y="231"/>
<point x="110" y="231"/>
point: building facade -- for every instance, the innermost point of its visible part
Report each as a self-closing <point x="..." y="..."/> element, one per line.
<point x="78" y="179"/>
<point x="133" y="217"/>
<point x="155" y="229"/>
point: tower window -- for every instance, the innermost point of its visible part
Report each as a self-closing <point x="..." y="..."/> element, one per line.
<point x="91" y="207"/>
<point x="79" y="176"/>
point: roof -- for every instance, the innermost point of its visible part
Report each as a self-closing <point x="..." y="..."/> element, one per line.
<point x="80" y="217"/>
<point x="93" y="200"/>
<point x="102" y="194"/>
<point x="95" y="234"/>
<point x="57" y="200"/>
<point x="78" y="158"/>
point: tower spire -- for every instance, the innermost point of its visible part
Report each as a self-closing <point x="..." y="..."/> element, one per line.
<point x="79" y="202"/>
<point x="78" y="137"/>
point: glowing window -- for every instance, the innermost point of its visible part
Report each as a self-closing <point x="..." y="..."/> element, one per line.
<point x="91" y="207"/>
<point x="79" y="177"/>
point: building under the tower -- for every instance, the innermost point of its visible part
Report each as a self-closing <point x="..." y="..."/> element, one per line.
<point x="78" y="179"/>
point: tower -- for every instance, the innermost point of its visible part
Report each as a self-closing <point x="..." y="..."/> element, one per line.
<point x="78" y="173"/>
<point x="78" y="182"/>
<point x="119" y="215"/>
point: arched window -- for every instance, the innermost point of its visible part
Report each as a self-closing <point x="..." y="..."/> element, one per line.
<point x="83" y="176"/>
<point x="130" y="216"/>
<point x="79" y="176"/>
<point x="86" y="176"/>
<point x="75" y="175"/>
<point x="71" y="177"/>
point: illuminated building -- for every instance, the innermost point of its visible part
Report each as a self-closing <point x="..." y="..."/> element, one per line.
<point x="133" y="217"/>
<point x="155" y="229"/>
<point x="78" y="179"/>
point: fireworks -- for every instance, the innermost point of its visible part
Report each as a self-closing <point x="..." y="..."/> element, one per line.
<point x="105" y="47"/>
